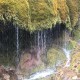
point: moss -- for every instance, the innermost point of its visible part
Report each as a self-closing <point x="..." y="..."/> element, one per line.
<point x="73" y="11"/>
<point x="71" y="45"/>
<point x="7" y="60"/>
<point x="38" y="68"/>
<point x="76" y="33"/>
<point x="32" y="15"/>
<point x="55" y="57"/>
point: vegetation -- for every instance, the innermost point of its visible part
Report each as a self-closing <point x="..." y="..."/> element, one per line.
<point x="55" y="57"/>
<point x="73" y="11"/>
<point x="71" y="45"/>
<point x="76" y="32"/>
<point x="32" y="15"/>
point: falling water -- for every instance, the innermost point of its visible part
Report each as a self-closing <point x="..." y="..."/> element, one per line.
<point x="38" y="44"/>
<point x="17" y="44"/>
<point x="41" y="44"/>
<point x="66" y="51"/>
<point x="42" y="41"/>
<point x="41" y="74"/>
<point x="45" y="48"/>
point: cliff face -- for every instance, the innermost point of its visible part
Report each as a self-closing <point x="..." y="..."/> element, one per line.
<point x="32" y="15"/>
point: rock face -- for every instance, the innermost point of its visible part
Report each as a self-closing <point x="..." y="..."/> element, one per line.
<point x="33" y="15"/>
<point x="7" y="74"/>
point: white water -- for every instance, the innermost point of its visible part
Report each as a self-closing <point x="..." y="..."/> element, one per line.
<point x="41" y="74"/>
<point x="17" y="43"/>
<point x="44" y="43"/>
<point x="38" y="41"/>
<point x="67" y="53"/>
<point x="41" y="42"/>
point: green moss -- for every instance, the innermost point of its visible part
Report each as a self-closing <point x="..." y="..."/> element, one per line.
<point x="55" y="57"/>
<point x="32" y="15"/>
<point x="76" y="33"/>
<point x="73" y="11"/>
<point x="68" y="23"/>
<point x="38" y="68"/>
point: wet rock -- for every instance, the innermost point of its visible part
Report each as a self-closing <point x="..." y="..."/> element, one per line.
<point x="6" y="74"/>
<point x="55" y="57"/>
<point x="13" y="75"/>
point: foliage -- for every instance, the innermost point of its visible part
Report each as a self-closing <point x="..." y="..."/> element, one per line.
<point x="73" y="11"/>
<point x="32" y="15"/>
<point x="76" y="32"/>
<point x="55" y="57"/>
<point x="71" y="45"/>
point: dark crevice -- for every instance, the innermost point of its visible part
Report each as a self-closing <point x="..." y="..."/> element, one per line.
<point x="28" y="41"/>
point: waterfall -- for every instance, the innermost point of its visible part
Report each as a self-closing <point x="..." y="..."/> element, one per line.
<point x="17" y="36"/>
<point x="41" y="42"/>
<point x="45" y="48"/>
<point x="38" y="41"/>
<point x="41" y="74"/>
<point x="44" y="43"/>
<point x="66" y="51"/>
<point x="38" y="45"/>
<point x="17" y="45"/>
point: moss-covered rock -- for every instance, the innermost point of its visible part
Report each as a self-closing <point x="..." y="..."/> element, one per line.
<point x="73" y="11"/>
<point x="75" y="59"/>
<point x="76" y="33"/>
<point x="55" y="57"/>
<point x="71" y="45"/>
<point x="32" y="15"/>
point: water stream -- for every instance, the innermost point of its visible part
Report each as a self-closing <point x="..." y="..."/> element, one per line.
<point x="42" y="74"/>
<point x="41" y="41"/>
<point x="17" y="44"/>
<point x="38" y="41"/>
<point x="67" y="53"/>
